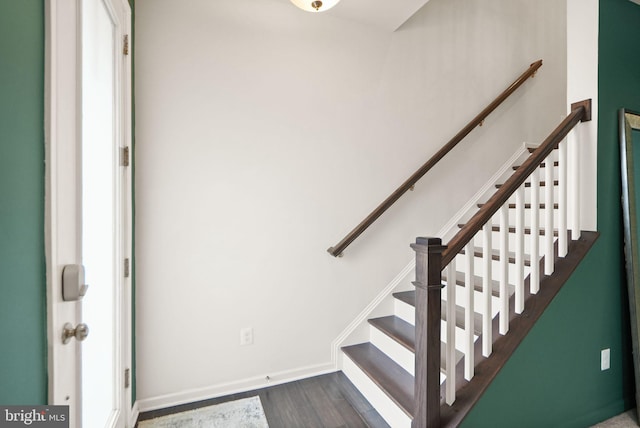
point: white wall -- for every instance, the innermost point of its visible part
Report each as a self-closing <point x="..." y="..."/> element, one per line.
<point x="582" y="83"/>
<point x="264" y="134"/>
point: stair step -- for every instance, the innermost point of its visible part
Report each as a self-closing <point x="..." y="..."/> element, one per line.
<point x="495" y="255"/>
<point x="512" y="229"/>
<point x="526" y="206"/>
<point x="527" y="231"/>
<point x="477" y="283"/>
<point x="397" y="329"/>
<point x="542" y="165"/>
<point x="392" y="379"/>
<point x="404" y="333"/>
<point x="460" y="312"/>
<point x="409" y="297"/>
<point x="528" y="184"/>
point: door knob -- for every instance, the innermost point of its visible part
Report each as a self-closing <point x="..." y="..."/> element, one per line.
<point x="80" y="332"/>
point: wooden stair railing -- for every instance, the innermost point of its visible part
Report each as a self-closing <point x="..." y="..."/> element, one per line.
<point x="432" y="257"/>
<point x="338" y="249"/>
<point x="580" y="112"/>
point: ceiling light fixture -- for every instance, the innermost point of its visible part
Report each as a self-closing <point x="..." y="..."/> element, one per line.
<point x="315" y="5"/>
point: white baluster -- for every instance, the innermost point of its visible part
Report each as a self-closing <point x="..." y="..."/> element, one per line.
<point x="562" y="200"/>
<point x="469" y="311"/>
<point x="548" y="211"/>
<point x="574" y="183"/>
<point x="451" y="333"/>
<point x="519" y="280"/>
<point x="534" y="277"/>
<point x="487" y="340"/>
<point x="504" y="269"/>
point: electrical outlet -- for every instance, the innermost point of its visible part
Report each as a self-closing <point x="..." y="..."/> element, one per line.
<point x="246" y="336"/>
<point x="605" y="359"/>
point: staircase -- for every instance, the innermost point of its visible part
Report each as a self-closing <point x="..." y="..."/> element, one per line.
<point x="477" y="297"/>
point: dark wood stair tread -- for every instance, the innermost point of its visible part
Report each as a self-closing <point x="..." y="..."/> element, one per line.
<point x="395" y="381"/>
<point x="512" y="229"/>
<point x="397" y="329"/>
<point x="526" y="206"/>
<point x="495" y="255"/>
<point x="528" y="184"/>
<point x="409" y="297"/>
<point x="542" y="165"/>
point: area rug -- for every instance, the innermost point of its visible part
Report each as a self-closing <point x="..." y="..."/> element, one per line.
<point x="244" y="413"/>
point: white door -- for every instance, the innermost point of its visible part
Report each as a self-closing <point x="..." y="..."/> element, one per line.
<point x="88" y="209"/>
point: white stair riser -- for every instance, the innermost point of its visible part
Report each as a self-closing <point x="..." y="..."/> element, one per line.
<point x="542" y="171"/>
<point x="404" y="311"/>
<point x="527" y="217"/>
<point x="495" y="236"/>
<point x="495" y="240"/>
<point x="404" y="357"/>
<point x="386" y="407"/>
<point x="407" y="312"/>
<point x="478" y="268"/>
<point x="398" y="353"/>
<point x="460" y="337"/>
<point x="461" y="300"/>
<point x="527" y="195"/>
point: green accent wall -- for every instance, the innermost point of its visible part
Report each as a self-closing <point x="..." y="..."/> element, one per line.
<point x="23" y="350"/>
<point x="554" y="378"/>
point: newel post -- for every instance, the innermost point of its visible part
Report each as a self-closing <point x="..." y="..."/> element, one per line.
<point x="429" y="286"/>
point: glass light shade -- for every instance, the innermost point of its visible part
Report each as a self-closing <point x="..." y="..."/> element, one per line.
<point x="310" y="5"/>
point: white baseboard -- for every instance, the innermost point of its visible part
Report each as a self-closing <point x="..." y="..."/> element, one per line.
<point x="220" y="390"/>
<point x="447" y="231"/>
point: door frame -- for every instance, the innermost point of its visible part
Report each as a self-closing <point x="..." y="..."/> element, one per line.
<point x="63" y="132"/>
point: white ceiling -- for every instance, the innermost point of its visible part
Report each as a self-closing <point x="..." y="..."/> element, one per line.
<point x="385" y="14"/>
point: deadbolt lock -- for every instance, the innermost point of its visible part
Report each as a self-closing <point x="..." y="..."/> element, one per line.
<point x="73" y="286"/>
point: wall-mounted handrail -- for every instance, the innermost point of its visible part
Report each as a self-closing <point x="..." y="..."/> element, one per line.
<point x="580" y="112"/>
<point x="337" y="249"/>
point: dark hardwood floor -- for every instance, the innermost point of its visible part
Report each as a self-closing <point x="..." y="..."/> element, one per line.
<point x="328" y="401"/>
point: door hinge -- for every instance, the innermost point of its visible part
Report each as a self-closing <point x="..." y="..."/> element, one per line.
<point x="125" y="47"/>
<point x="127" y="378"/>
<point x="126" y="268"/>
<point x="124" y="156"/>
